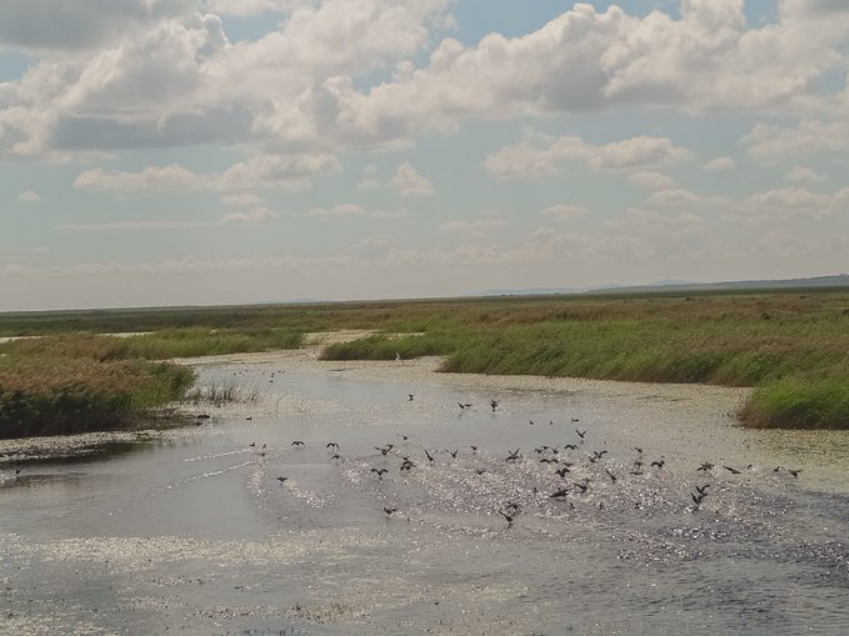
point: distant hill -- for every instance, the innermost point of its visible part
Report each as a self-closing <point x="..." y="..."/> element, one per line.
<point x="831" y="281"/>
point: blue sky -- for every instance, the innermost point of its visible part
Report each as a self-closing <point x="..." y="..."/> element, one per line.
<point x="161" y="152"/>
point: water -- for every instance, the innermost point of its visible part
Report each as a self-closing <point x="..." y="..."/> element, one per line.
<point x="193" y="533"/>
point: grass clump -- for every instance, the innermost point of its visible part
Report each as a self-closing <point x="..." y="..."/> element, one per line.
<point x="74" y="383"/>
<point x="43" y="397"/>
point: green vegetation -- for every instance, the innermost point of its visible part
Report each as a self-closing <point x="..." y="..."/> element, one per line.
<point x="791" y="346"/>
<point x="43" y="397"/>
<point x="794" y="349"/>
<point x="72" y="383"/>
<point x="162" y="345"/>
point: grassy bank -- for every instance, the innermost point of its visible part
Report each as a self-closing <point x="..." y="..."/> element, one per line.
<point x="44" y="396"/>
<point x="791" y="346"/>
<point x="794" y="352"/>
<point x="72" y="383"/>
<point x="161" y="345"/>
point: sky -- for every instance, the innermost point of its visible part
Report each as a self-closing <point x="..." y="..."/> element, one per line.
<point x="198" y="152"/>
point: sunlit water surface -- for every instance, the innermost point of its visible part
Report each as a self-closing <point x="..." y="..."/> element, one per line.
<point x="196" y="534"/>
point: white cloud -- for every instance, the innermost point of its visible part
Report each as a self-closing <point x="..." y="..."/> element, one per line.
<point x="720" y="164"/>
<point x="254" y="215"/>
<point x="772" y="141"/>
<point x="652" y="180"/>
<point x="29" y="196"/>
<point x="242" y="200"/>
<point x="681" y="197"/>
<point x="341" y="210"/>
<point x="410" y="183"/>
<point x="801" y="173"/>
<point x="263" y="171"/>
<point x="479" y="224"/>
<point x="793" y="201"/>
<point x="160" y="73"/>
<point x="564" y="212"/>
<point x="528" y="160"/>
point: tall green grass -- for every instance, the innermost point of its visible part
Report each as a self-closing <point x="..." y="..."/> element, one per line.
<point x="72" y="383"/>
<point x="798" y="367"/>
<point x="791" y="346"/>
<point x="51" y="396"/>
<point x="161" y="345"/>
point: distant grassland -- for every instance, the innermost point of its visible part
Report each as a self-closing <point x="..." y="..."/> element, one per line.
<point x="791" y="346"/>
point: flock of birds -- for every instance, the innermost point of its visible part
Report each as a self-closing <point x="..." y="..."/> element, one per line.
<point x="565" y="459"/>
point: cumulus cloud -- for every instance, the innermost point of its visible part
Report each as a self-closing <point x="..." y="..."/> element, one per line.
<point x="795" y="201"/>
<point x="263" y="171"/>
<point x="720" y="164"/>
<point x="29" y="196"/>
<point x="253" y="215"/>
<point x="529" y="160"/>
<point x="680" y="197"/>
<point x="564" y="212"/>
<point x="768" y="141"/>
<point x="652" y="180"/>
<point x="410" y="183"/>
<point x="141" y="73"/>
<point x="801" y="173"/>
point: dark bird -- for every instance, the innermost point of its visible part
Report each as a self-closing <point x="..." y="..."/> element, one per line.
<point x="389" y="510"/>
<point x="464" y="405"/>
<point x="379" y="472"/>
<point x="697" y="498"/>
<point x="494" y="404"/>
<point x="706" y="466"/>
<point x="249" y="418"/>
<point x="385" y="450"/>
<point x="253" y="444"/>
<point x="407" y="465"/>
<point x="480" y="472"/>
<point x="597" y="455"/>
<point x="411" y="396"/>
<point x="794" y="472"/>
<point x="572" y="447"/>
<point x="474" y="448"/>
<point x="562" y="472"/>
<point x="335" y="456"/>
<point x="659" y="463"/>
<point x="507" y="517"/>
<point x="531" y="421"/>
<point x="405" y="438"/>
<point x="638" y="449"/>
<point x="581" y="434"/>
<point x="547" y="460"/>
<point x="550" y="422"/>
<point x="561" y="493"/>
<point x="611" y="476"/>
<point x="577" y="420"/>
<point x="203" y="416"/>
<point x="298" y="443"/>
<point x="330" y="445"/>
<point x="582" y="487"/>
<point x="453" y="454"/>
<point x="731" y="469"/>
<point x="264" y="445"/>
<point x="429" y="457"/>
<point x="513" y="457"/>
<point x="282" y="478"/>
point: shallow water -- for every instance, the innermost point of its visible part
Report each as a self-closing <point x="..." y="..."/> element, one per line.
<point x="193" y="533"/>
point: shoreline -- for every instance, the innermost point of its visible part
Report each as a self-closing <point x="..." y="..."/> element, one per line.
<point x="420" y="371"/>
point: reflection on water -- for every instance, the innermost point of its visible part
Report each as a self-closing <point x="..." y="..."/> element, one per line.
<point x="196" y="533"/>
